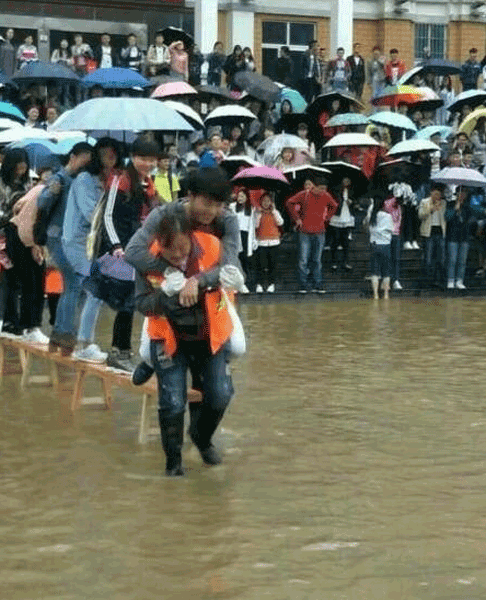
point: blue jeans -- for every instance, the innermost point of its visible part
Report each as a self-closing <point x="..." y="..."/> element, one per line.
<point x="89" y="318"/>
<point x="434" y="255"/>
<point x="396" y="251"/>
<point x="380" y="260"/>
<point x="210" y="369"/>
<point x="311" y="246"/>
<point x="456" y="260"/>
<point x="66" y="314"/>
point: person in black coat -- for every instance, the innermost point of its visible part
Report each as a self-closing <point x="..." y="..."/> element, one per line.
<point x="284" y="67"/>
<point x="104" y="54"/>
<point x="357" y="78"/>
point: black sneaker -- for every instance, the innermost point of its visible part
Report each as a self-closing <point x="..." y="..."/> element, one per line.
<point x="211" y="457"/>
<point x="120" y="360"/>
<point x="143" y="372"/>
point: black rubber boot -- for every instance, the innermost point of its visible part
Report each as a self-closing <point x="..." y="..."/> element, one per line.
<point x="194" y="412"/>
<point x="172" y="433"/>
<point x="207" y="422"/>
<point x="143" y="372"/>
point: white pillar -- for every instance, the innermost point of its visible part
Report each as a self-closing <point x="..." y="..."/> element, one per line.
<point x="341" y="27"/>
<point x="240" y="28"/>
<point x="206" y="24"/>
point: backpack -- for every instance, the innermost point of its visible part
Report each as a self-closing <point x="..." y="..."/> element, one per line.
<point x="95" y="235"/>
<point x="25" y="215"/>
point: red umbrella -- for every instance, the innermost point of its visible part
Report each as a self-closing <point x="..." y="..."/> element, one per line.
<point x="268" y="178"/>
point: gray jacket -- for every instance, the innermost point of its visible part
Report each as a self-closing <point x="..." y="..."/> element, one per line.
<point x="52" y="201"/>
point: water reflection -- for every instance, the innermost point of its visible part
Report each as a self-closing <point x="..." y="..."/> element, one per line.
<point x="354" y="469"/>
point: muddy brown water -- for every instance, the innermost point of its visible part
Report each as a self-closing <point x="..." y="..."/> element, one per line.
<point x="354" y="469"/>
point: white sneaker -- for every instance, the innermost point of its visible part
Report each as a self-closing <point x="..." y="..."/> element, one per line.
<point x="91" y="353"/>
<point x="271" y="288"/>
<point x="35" y="336"/>
<point x="415" y="245"/>
<point x="450" y="284"/>
<point x="460" y="285"/>
<point x="407" y="246"/>
<point x="259" y="289"/>
<point x="397" y="285"/>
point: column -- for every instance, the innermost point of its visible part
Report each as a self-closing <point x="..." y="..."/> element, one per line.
<point x="206" y="24"/>
<point x="341" y="27"/>
<point x="241" y="29"/>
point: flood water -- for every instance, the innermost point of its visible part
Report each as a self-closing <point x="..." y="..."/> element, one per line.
<point x="354" y="469"/>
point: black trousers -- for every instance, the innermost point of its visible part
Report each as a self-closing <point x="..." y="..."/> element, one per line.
<point x="339" y="236"/>
<point x="266" y="257"/>
<point x="24" y="301"/>
<point x="122" y="330"/>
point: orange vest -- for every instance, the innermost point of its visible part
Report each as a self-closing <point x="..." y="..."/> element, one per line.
<point x="268" y="229"/>
<point x="217" y="326"/>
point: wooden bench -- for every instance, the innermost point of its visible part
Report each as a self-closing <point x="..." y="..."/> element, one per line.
<point x="109" y="378"/>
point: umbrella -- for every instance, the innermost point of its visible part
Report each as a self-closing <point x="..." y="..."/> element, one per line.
<point x="438" y="66"/>
<point x="351" y="139"/>
<point x="121" y="114"/>
<point x="324" y="102"/>
<point x="259" y="86"/>
<point x="299" y="175"/>
<point x="234" y="164"/>
<point x="64" y="147"/>
<point x="340" y="169"/>
<point x="472" y="98"/>
<point x="41" y="153"/>
<point x="298" y="102"/>
<point x="160" y="79"/>
<point x="5" y="80"/>
<point x="174" y="88"/>
<point x="347" y="119"/>
<point x="429" y="100"/>
<point x="428" y="132"/>
<point x="470" y="122"/>
<point x="289" y="123"/>
<point x="460" y="176"/>
<point x="9" y="123"/>
<point x="10" y="111"/>
<point x="174" y="34"/>
<point x="393" y="95"/>
<point x="207" y="92"/>
<point x="44" y="71"/>
<point x="24" y="133"/>
<point x="408" y="77"/>
<point x="227" y="115"/>
<point x="391" y="119"/>
<point x="258" y="177"/>
<point x="187" y="112"/>
<point x="273" y="146"/>
<point x="115" y="78"/>
<point x="413" y="145"/>
<point x="395" y="170"/>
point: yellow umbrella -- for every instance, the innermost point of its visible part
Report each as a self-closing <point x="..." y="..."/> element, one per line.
<point x="470" y="122"/>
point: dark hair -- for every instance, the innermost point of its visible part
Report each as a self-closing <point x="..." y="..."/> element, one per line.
<point x="285" y="49"/>
<point x="80" y="148"/>
<point x="246" y="208"/>
<point x="473" y="50"/>
<point x="132" y="35"/>
<point x="376" y="48"/>
<point x="171" y="225"/>
<point x="143" y="147"/>
<point x="249" y="50"/>
<point x="319" y="180"/>
<point x="393" y="51"/>
<point x="378" y="202"/>
<point x="210" y="181"/>
<point x="164" y="155"/>
<point x="340" y="49"/>
<point x="95" y="167"/>
<point x="11" y="159"/>
<point x="217" y="44"/>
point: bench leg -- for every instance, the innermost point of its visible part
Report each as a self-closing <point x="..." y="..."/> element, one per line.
<point x="78" y="390"/>
<point x="54" y="373"/>
<point x="2" y="360"/>
<point x="26" y="362"/>
<point x="147" y="403"/>
<point x="107" y="393"/>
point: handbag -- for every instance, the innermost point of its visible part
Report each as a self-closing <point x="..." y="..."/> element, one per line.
<point x="237" y="341"/>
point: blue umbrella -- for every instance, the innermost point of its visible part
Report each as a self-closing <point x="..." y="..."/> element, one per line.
<point x="347" y="119"/>
<point x="43" y="71"/>
<point x="115" y="78"/>
<point x="295" y="98"/>
<point x="41" y="153"/>
<point x="5" y="80"/>
<point x="392" y="119"/>
<point x="64" y="147"/>
<point x="11" y="111"/>
<point x="427" y="132"/>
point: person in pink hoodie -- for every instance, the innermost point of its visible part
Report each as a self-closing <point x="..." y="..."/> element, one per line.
<point x="179" y="59"/>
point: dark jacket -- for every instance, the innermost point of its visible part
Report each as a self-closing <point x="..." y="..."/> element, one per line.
<point x="470" y="71"/>
<point x="215" y="68"/>
<point x="357" y="70"/>
<point x="459" y="223"/>
<point x="51" y="206"/>
<point x="98" y="54"/>
<point x="284" y="70"/>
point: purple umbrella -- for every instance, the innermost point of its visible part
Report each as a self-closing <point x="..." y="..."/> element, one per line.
<point x="267" y="178"/>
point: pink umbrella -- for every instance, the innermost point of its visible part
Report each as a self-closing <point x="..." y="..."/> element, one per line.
<point x="173" y="88"/>
<point x="267" y="178"/>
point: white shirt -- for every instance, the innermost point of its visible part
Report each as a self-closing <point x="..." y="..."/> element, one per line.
<point x="106" y="59"/>
<point x="381" y="231"/>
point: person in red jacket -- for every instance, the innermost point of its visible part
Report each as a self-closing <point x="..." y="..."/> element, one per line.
<point x="394" y="68"/>
<point x="311" y="211"/>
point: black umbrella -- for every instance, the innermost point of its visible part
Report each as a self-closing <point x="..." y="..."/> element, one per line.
<point x="43" y="71"/>
<point x="174" y="34"/>
<point x="6" y="81"/>
<point x="394" y="170"/>
<point x="440" y="66"/>
<point x="324" y="102"/>
<point x="234" y="164"/>
<point x="297" y="176"/>
<point x="259" y="86"/>
<point x="471" y="98"/>
<point x="207" y="92"/>
<point x="340" y="169"/>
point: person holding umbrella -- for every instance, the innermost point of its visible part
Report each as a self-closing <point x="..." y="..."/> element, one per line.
<point x="269" y="222"/>
<point x="459" y="218"/>
<point x="341" y="223"/>
<point x="311" y="210"/>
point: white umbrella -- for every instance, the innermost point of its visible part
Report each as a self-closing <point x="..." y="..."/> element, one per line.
<point x="351" y="139"/>
<point x="408" y="76"/>
<point x="232" y="113"/>
<point x="413" y="146"/>
<point x="270" y="148"/>
<point x="392" y="119"/>
<point x="122" y="114"/>
<point x="460" y="176"/>
<point x="9" y="124"/>
<point x="187" y="112"/>
<point x="292" y="172"/>
<point x="24" y="133"/>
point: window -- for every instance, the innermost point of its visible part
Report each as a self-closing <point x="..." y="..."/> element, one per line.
<point x="430" y="38"/>
<point x="280" y="33"/>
